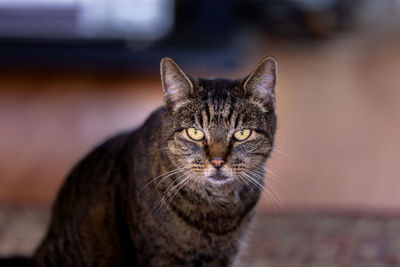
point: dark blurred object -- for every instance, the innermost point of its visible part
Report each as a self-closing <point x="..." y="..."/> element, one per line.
<point x="302" y="18"/>
<point x="63" y="36"/>
<point x="193" y="23"/>
<point x="94" y="34"/>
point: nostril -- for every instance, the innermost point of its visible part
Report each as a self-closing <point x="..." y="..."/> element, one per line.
<point x="217" y="162"/>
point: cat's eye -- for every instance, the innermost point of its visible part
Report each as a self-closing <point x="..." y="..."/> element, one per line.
<point x="242" y="134"/>
<point x="195" y="133"/>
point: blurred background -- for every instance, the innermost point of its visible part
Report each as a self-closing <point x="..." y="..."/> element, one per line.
<point x="74" y="72"/>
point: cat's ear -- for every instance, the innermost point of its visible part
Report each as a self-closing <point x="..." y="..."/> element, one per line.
<point x="176" y="84"/>
<point x="260" y="84"/>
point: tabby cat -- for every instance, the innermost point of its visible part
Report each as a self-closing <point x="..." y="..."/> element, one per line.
<point x="178" y="191"/>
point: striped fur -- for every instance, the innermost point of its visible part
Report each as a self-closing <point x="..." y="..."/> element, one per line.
<point x="147" y="197"/>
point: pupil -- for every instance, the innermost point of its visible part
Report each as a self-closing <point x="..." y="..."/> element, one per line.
<point x="195" y="131"/>
<point x="241" y="132"/>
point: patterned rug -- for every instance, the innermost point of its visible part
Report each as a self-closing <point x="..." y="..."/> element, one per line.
<point x="285" y="240"/>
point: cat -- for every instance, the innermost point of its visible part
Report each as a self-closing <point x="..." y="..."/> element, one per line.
<point x="180" y="190"/>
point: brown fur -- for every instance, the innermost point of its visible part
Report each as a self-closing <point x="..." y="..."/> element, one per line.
<point x="114" y="211"/>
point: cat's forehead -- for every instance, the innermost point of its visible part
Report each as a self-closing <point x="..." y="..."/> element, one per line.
<point x="218" y="98"/>
<point x="222" y="105"/>
<point x="218" y="88"/>
<point x="219" y="95"/>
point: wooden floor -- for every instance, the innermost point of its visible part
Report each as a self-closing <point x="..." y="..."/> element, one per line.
<point x="337" y="146"/>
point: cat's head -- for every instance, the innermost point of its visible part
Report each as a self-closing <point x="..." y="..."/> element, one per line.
<point x="219" y="131"/>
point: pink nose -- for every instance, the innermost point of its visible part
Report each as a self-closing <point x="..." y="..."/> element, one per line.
<point x="217" y="162"/>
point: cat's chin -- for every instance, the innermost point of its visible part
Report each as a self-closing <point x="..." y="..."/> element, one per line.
<point x="219" y="179"/>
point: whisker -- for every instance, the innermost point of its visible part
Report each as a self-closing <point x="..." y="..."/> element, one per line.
<point x="190" y="179"/>
<point x="269" y="184"/>
<point x="243" y="181"/>
<point x="276" y="180"/>
<point x="195" y="180"/>
<point x="162" y="149"/>
<point x="171" y="191"/>
<point x="256" y="184"/>
<point x="171" y="195"/>
<point x="266" y="169"/>
<point x="169" y="173"/>
<point x="281" y="152"/>
<point x="274" y="196"/>
<point x="172" y="187"/>
<point x="271" y="178"/>
<point x="185" y="173"/>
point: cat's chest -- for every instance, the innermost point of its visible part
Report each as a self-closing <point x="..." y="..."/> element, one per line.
<point x="195" y="240"/>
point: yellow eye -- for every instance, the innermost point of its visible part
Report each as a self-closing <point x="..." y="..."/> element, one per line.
<point x="242" y="134"/>
<point x="195" y="133"/>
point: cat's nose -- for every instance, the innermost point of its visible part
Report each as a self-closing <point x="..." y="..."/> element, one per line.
<point x="217" y="162"/>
